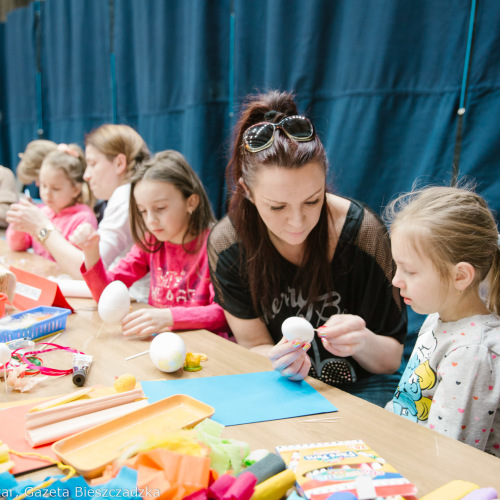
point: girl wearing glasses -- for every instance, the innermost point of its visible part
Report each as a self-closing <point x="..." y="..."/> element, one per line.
<point x="288" y="247"/>
<point x="170" y="217"/>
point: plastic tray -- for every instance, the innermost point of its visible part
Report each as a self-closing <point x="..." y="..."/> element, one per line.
<point x="91" y="450"/>
<point x="55" y="323"/>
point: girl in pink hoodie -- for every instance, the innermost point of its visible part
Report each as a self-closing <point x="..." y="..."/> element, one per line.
<point x="63" y="192"/>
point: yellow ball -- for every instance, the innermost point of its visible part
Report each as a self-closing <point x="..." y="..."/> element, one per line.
<point x="125" y="383"/>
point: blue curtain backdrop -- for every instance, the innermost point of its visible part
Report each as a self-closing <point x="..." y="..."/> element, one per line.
<point x="382" y="80"/>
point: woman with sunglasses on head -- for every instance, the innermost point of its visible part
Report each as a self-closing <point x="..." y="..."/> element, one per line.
<point x="288" y="247"/>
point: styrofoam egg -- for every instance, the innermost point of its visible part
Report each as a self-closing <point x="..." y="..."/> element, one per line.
<point x="5" y="354"/>
<point x="167" y="352"/>
<point x="114" y="303"/>
<point x="297" y="328"/>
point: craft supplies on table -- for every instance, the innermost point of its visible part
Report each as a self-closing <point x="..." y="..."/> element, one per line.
<point x="57" y="422"/>
<point x="33" y="323"/>
<point x="323" y="469"/>
<point x="90" y="451"/>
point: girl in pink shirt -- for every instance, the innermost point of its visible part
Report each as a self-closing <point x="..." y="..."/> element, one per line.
<point x="62" y="190"/>
<point x="170" y="217"/>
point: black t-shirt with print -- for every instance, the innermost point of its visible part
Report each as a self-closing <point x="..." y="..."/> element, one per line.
<point x="361" y="269"/>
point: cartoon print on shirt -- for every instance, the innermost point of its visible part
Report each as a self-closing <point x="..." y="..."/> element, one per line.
<point x="417" y="377"/>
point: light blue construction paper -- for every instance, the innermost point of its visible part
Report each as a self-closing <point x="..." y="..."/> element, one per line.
<point x="245" y="398"/>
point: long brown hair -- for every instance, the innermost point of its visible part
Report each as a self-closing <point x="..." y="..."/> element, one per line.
<point x="261" y="257"/>
<point x="171" y="167"/>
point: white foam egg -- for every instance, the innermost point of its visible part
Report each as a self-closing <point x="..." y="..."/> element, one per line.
<point x="114" y="303"/>
<point x="5" y="354"/>
<point x="167" y="352"/>
<point x="297" y="328"/>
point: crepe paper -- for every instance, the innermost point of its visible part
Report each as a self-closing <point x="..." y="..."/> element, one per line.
<point x="76" y="408"/>
<point x="227" y="454"/>
<point x="454" y="490"/>
<point x="275" y="487"/>
<point x="58" y="430"/>
<point x="73" y="288"/>
<point x="61" y="400"/>
<point x="482" y="494"/>
<point x="246" y="398"/>
<point x="242" y="488"/>
<point x="174" y="475"/>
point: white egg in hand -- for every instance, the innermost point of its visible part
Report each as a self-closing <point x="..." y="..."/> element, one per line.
<point x="5" y="354"/>
<point x="297" y="328"/>
<point x="167" y="352"/>
<point x="114" y="303"/>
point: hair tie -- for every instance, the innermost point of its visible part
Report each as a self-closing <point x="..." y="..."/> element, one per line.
<point x="270" y="115"/>
<point x="66" y="149"/>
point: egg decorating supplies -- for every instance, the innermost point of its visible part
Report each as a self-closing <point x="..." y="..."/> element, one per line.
<point x="297" y="328"/>
<point x="81" y="367"/>
<point x="167" y="352"/>
<point x="114" y="302"/>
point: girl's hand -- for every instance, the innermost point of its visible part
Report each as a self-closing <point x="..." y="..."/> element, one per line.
<point x="344" y="334"/>
<point x="291" y="359"/>
<point x="145" y="322"/>
<point x="85" y="237"/>
<point x="26" y="217"/>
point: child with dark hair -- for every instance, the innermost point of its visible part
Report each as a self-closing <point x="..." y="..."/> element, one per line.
<point x="170" y="217"/>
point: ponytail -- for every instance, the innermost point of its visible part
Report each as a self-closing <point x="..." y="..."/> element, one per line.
<point x="493" y="297"/>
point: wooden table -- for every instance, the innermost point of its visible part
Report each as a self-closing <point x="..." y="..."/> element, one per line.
<point x="425" y="457"/>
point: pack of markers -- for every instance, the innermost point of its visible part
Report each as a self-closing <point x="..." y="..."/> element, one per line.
<point x="33" y="323"/>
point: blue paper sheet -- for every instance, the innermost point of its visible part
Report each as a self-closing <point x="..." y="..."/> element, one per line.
<point x="245" y="398"/>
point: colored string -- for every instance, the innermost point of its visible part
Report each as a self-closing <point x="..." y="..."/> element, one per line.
<point x="29" y="491"/>
<point x="45" y="370"/>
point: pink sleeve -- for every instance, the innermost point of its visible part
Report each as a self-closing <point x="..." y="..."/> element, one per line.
<point x="210" y="317"/>
<point x="17" y="240"/>
<point x="130" y="269"/>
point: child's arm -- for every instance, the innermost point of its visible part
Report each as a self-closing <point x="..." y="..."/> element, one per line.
<point x="18" y="241"/>
<point x="144" y="322"/>
<point x="130" y="269"/>
<point x="86" y="238"/>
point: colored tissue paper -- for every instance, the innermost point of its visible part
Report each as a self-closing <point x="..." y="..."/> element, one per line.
<point x="226" y="454"/>
<point x="246" y="398"/>
<point x="172" y="474"/>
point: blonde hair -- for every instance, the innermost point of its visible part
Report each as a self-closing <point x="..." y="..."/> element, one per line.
<point x="451" y="225"/>
<point x="31" y="160"/>
<point x="112" y="140"/>
<point x="70" y="158"/>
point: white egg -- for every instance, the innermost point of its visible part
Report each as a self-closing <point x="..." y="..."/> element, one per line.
<point x="297" y="328"/>
<point x="114" y="303"/>
<point x="167" y="352"/>
<point x="5" y="354"/>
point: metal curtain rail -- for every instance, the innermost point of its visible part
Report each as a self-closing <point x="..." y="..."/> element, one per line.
<point x="38" y="74"/>
<point x="112" y="60"/>
<point x="463" y="95"/>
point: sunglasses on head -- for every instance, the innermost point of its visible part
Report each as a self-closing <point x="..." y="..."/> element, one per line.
<point x="261" y="135"/>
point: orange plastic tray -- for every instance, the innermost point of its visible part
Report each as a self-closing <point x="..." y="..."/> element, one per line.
<point x="91" y="450"/>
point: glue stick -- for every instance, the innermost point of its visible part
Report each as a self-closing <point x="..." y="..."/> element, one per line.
<point x="81" y="368"/>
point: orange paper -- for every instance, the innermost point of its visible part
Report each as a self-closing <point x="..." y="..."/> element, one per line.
<point x="34" y="291"/>
<point x="173" y="474"/>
